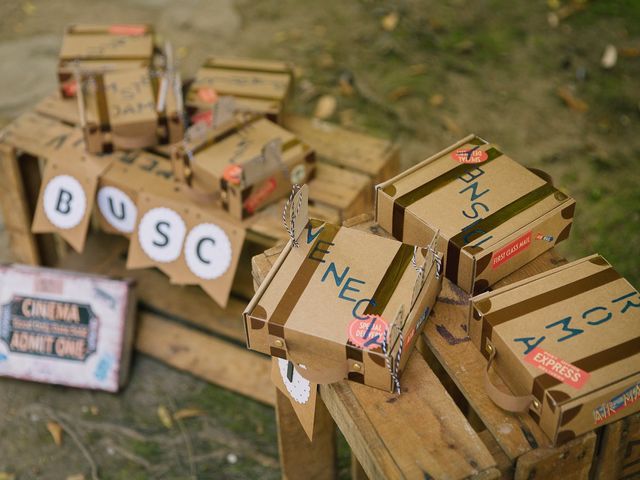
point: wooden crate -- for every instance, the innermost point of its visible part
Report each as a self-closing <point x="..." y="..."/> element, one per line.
<point x="444" y="425"/>
<point x="180" y="326"/>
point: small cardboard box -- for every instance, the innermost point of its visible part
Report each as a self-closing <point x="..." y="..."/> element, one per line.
<point x="65" y="328"/>
<point x="253" y="163"/>
<point x="327" y="306"/>
<point x="495" y="214"/>
<point x="132" y="110"/>
<point x="92" y="49"/>
<point x="567" y="343"/>
<point x="258" y="86"/>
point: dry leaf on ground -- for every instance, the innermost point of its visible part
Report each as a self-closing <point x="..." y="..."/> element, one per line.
<point x="56" y="432"/>
<point x="165" y="416"/>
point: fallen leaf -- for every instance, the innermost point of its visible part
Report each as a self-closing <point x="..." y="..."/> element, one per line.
<point x="630" y="52"/>
<point x="347" y="117"/>
<point x="609" y="57"/>
<point x="390" y="21"/>
<point x="571" y="101"/>
<point x="465" y="46"/>
<point x="188" y="413"/>
<point x="325" y="107"/>
<point x="418" y="69"/>
<point x="436" y="100"/>
<point x="56" y="432"/>
<point x="398" y="93"/>
<point x="7" y="476"/>
<point x="326" y="61"/>
<point x="94" y="410"/>
<point x="165" y="416"/>
<point x="451" y="125"/>
<point x="553" y="4"/>
<point x="346" y="84"/>
<point x="77" y="476"/>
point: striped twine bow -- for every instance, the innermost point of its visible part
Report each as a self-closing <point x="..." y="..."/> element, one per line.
<point x="290" y="227"/>
<point x="393" y="367"/>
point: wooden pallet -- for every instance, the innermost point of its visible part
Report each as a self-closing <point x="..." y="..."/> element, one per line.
<point x="180" y="326"/>
<point x="443" y="425"/>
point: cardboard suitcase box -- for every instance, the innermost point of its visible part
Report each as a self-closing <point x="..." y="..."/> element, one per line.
<point x="567" y="344"/>
<point x="66" y="328"/>
<point x="92" y="49"/>
<point x="251" y="161"/>
<point x="495" y="214"/>
<point x="132" y="109"/>
<point x="258" y="86"/>
<point x="333" y="313"/>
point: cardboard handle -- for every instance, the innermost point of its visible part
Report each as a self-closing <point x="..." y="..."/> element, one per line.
<point x="506" y="401"/>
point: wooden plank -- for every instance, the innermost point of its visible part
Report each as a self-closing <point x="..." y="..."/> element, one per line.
<point x="345" y="191"/>
<point x="15" y="209"/>
<point x="356" y="470"/>
<point x="619" y="455"/>
<point x="230" y="366"/>
<point x="571" y="461"/>
<point x="300" y="458"/>
<point x="505" y="465"/>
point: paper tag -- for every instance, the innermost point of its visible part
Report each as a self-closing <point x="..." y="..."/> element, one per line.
<point x="368" y="333"/>
<point x="470" y="155"/>
<point x="301" y="392"/>
<point x="128" y="30"/>
<point x="511" y="250"/>
<point x="557" y="368"/>
<point x="66" y="198"/>
<point x="263" y="165"/>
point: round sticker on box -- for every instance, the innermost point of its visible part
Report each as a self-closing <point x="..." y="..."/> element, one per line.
<point x="161" y="233"/>
<point x="207" y="251"/>
<point x="117" y="208"/>
<point x="369" y="332"/>
<point x="65" y="202"/>
<point x="298" y="173"/>
<point x="471" y="155"/>
<point x="298" y="387"/>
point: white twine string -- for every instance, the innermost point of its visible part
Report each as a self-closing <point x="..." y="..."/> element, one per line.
<point x="290" y="226"/>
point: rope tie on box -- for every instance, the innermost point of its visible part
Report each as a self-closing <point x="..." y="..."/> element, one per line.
<point x="393" y="366"/>
<point x="290" y="226"/>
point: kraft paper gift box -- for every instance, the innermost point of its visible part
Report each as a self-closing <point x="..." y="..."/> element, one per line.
<point x="329" y="303"/>
<point x="252" y="163"/>
<point x="66" y="328"/>
<point x="91" y="49"/>
<point x="258" y="86"/>
<point x="567" y="344"/>
<point x="494" y="214"/>
<point x="132" y="109"/>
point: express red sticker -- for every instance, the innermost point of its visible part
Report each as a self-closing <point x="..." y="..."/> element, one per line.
<point x="205" y="117"/>
<point x="70" y="88"/>
<point x="233" y="174"/>
<point x="368" y="333"/>
<point x="207" y="95"/>
<point x="258" y="197"/>
<point x="511" y="250"/>
<point x="557" y="368"/>
<point x="470" y="155"/>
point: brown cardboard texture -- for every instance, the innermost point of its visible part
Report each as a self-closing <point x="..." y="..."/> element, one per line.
<point x="65" y="201"/>
<point x="338" y="301"/>
<point x="91" y="49"/>
<point x="192" y="244"/>
<point x="567" y="344"/>
<point x="258" y="86"/>
<point x="253" y="162"/>
<point x="129" y="111"/>
<point x="495" y="214"/>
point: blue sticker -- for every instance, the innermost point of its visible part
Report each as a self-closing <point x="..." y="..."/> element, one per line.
<point x="3" y="357"/>
<point x="103" y="367"/>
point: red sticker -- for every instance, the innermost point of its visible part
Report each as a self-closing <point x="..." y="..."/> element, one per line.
<point x="233" y="174"/>
<point x="207" y="95"/>
<point x="511" y="250"/>
<point x="557" y="368"/>
<point x="257" y="198"/>
<point x="471" y="155"/>
<point x="368" y="333"/>
<point x="205" y="117"/>
<point x="70" y="88"/>
<point x="128" y="30"/>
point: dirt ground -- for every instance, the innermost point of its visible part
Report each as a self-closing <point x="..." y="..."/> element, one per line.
<point x="526" y="75"/>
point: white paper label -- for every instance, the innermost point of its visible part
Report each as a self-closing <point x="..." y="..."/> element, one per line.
<point x="117" y="208"/>
<point x="161" y="234"/>
<point x="299" y="387"/>
<point x="65" y="202"/>
<point x="208" y="251"/>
